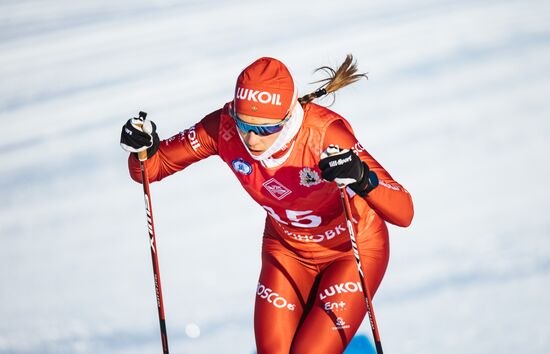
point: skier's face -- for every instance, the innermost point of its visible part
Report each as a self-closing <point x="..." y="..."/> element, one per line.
<point x="257" y="144"/>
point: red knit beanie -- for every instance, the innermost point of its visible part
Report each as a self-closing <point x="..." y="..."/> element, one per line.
<point x="265" y="89"/>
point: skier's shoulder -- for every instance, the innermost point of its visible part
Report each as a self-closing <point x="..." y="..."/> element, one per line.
<point x="211" y="122"/>
<point x="320" y="117"/>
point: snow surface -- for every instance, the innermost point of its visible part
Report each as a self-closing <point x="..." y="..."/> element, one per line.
<point x="456" y="108"/>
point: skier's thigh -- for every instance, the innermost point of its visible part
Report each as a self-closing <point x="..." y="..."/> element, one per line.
<point x="280" y="298"/>
<point x="337" y="313"/>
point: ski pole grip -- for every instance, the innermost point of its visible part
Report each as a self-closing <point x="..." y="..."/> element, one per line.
<point x="142" y="155"/>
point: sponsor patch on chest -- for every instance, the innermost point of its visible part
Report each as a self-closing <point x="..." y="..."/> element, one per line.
<point x="276" y="188"/>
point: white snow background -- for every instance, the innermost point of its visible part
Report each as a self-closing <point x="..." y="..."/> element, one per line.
<point x="456" y="107"/>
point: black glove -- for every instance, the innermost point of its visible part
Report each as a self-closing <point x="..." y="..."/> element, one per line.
<point x="138" y="135"/>
<point x="346" y="169"/>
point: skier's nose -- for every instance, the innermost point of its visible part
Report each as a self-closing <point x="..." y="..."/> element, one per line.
<point x="251" y="139"/>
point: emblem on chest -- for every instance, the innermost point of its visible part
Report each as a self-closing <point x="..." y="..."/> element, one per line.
<point x="241" y="166"/>
<point x="309" y="177"/>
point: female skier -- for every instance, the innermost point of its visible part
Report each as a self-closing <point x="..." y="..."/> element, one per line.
<point x="309" y="297"/>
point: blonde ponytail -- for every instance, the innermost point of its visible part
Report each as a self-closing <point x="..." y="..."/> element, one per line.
<point x="345" y="74"/>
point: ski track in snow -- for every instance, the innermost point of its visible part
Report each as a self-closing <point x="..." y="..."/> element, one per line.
<point x="455" y="108"/>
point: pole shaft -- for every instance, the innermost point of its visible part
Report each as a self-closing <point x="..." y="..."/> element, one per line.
<point x="154" y="256"/>
<point x="366" y="292"/>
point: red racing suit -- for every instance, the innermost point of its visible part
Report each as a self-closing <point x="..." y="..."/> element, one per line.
<point x="309" y="296"/>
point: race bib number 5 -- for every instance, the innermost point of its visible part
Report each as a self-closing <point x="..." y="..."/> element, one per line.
<point x="296" y="218"/>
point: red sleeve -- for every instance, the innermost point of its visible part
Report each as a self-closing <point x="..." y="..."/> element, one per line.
<point x="390" y="200"/>
<point x="176" y="153"/>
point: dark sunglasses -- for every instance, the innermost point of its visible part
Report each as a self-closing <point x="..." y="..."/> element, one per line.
<point x="259" y="129"/>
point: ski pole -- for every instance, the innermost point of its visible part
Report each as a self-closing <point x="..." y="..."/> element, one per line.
<point x="142" y="156"/>
<point x="370" y="309"/>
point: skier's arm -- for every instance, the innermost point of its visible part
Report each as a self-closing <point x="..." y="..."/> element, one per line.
<point x="389" y="199"/>
<point x="176" y="153"/>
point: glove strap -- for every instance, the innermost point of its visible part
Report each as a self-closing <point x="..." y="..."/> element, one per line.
<point x="367" y="183"/>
